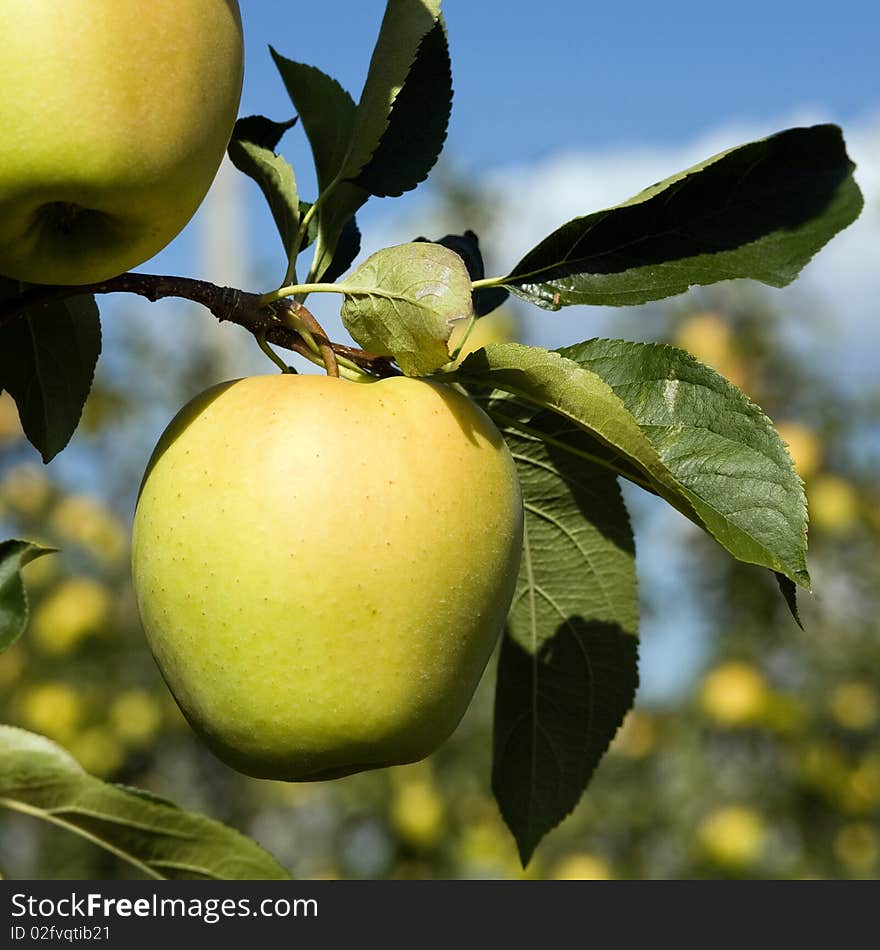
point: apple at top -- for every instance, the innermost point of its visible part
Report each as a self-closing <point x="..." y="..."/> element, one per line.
<point x="114" y="117"/>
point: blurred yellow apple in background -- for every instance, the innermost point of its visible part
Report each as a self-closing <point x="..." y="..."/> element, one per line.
<point x="833" y="504"/>
<point x="52" y="708"/>
<point x="500" y="326"/>
<point x="709" y="337"/>
<point x="323" y="568"/>
<point x="583" y="866"/>
<point x="115" y="116"/>
<point x="733" y="836"/>
<point x="76" y="608"/>
<point x="804" y="447"/>
<point x="734" y="694"/>
<point x="10" y="427"/>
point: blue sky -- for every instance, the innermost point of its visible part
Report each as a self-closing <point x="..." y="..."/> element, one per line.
<point x="536" y="77"/>
<point x="536" y="80"/>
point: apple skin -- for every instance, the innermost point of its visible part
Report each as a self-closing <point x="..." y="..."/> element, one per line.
<point x="115" y="117"/>
<point x="322" y="568"/>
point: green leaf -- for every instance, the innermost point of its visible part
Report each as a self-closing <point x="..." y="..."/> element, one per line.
<point x="347" y="249"/>
<point x="334" y="217"/>
<point x="13" y="596"/>
<point x="252" y="151"/>
<point x="761" y="210"/>
<point x="416" y="131"/>
<point x="40" y="779"/>
<point x="47" y="363"/>
<point x="789" y="594"/>
<point x="406" y="99"/>
<point x="551" y="381"/>
<point x="402" y="301"/>
<point x="327" y="113"/>
<point x="691" y="467"/>
<point x="400" y="54"/>
<point x="717" y="444"/>
<point x="311" y="234"/>
<point x="568" y="668"/>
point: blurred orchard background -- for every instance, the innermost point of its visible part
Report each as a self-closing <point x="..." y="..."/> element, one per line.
<point x="754" y="749"/>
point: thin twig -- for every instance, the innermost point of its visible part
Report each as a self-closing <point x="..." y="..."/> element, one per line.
<point x="225" y="303"/>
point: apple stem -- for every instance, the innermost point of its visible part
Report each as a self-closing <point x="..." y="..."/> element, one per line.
<point x="301" y="320"/>
<point x="260" y="337"/>
<point x="282" y="322"/>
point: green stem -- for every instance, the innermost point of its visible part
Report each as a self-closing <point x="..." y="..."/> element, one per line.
<point x="293" y="290"/>
<point x="488" y="282"/>
<point x="304" y="223"/>
<point x="273" y="356"/>
<point x="471" y="323"/>
<point x="345" y="370"/>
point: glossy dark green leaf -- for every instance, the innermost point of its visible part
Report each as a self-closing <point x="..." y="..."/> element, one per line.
<point x="568" y="668"/>
<point x="328" y="114"/>
<point x="14" y="555"/>
<point x="161" y="840"/>
<point x="548" y="380"/>
<point x="760" y="210"/>
<point x="252" y="151"/>
<point x="47" y="363"/>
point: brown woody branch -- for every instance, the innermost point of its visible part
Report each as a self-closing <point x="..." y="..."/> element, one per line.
<point x="226" y="303"/>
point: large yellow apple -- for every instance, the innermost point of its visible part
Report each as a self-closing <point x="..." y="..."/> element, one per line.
<point x="114" y="116"/>
<point x="323" y="567"/>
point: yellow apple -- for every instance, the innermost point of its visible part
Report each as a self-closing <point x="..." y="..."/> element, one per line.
<point x="323" y="567"/>
<point x="115" y="115"/>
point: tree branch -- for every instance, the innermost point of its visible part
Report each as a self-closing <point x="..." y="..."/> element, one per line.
<point x="225" y="303"/>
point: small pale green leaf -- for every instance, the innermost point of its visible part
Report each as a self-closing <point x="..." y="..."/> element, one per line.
<point x="47" y="363"/>
<point x="402" y="302"/>
<point x="13" y="596"/>
<point x="162" y="841"/>
<point x="760" y="210"/>
<point x="568" y="668"/>
<point x="252" y="151"/>
<point x="717" y="444"/>
<point x="467" y="246"/>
